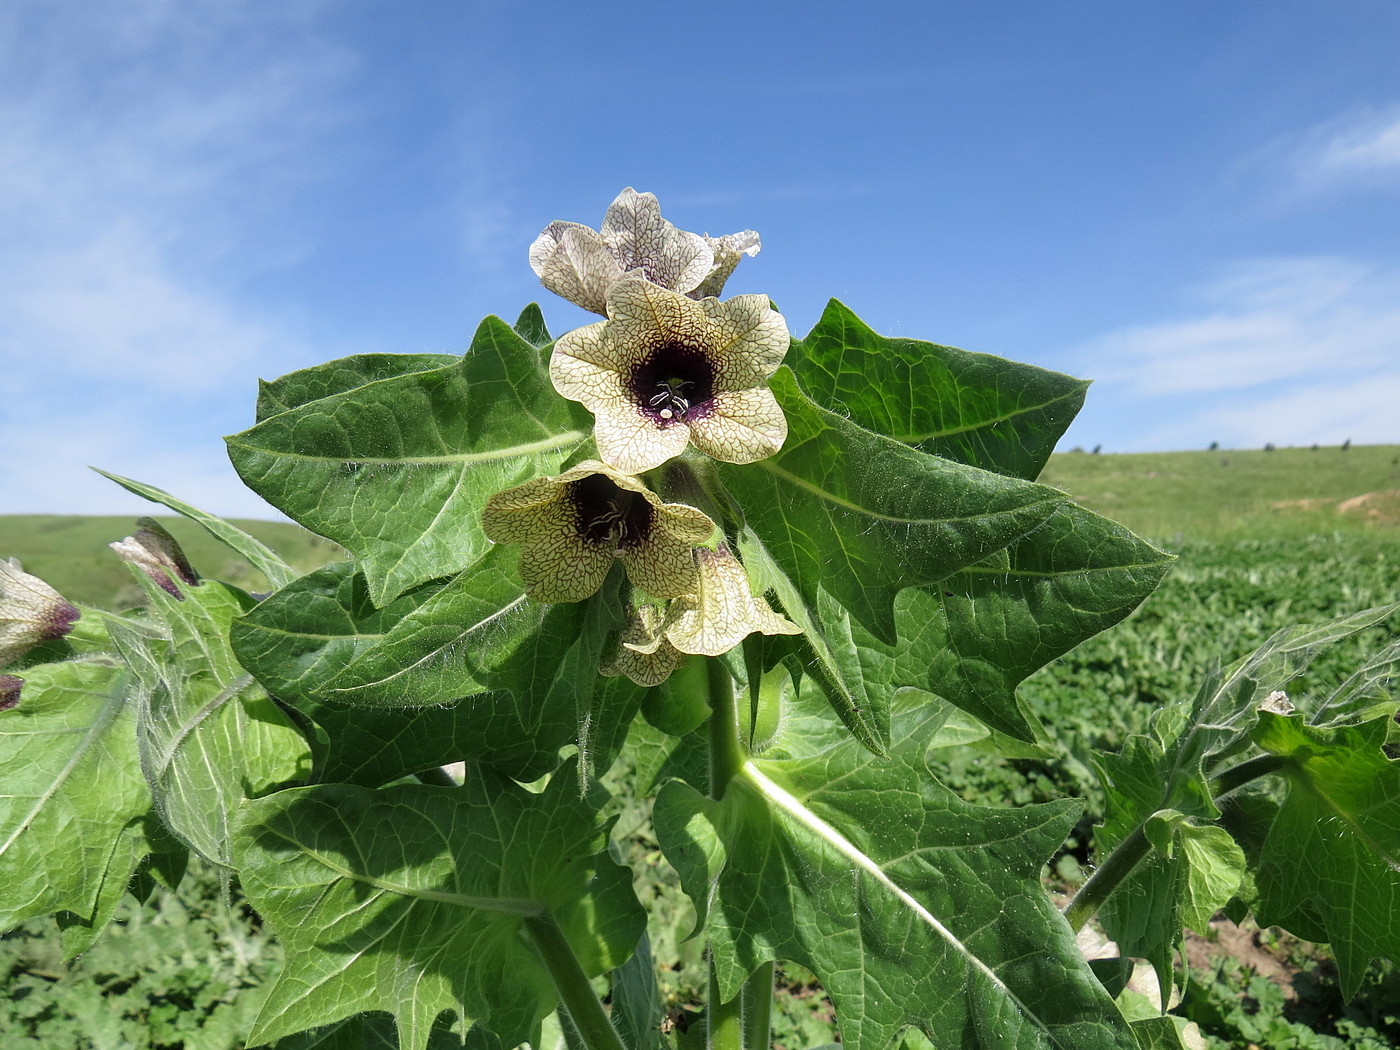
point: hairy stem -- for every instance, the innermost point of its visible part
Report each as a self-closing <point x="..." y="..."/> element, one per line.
<point x="575" y="992"/>
<point x="757" y="999"/>
<point x="724" y="1022"/>
<point x="726" y="751"/>
<point x="1129" y="853"/>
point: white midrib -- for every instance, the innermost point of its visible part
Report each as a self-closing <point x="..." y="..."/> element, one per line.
<point x="791" y="806"/>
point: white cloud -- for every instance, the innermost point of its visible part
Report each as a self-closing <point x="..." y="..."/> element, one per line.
<point x="1360" y="149"/>
<point x="1293" y="351"/>
<point x="150" y="148"/>
<point x="1266" y="322"/>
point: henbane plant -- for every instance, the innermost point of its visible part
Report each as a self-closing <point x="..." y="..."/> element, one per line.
<point x="778" y="574"/>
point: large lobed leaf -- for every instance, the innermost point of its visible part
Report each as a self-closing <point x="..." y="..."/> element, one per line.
<point x="977" y="409"/>
<point x="521" y="676"/>
<point x="416" y="899"/>
<point x="208" y="734"/>
<point x="396" y="470"/>
<point x="1330" y="867"/>
<point x="906" y="569"/>
<point x="75" y="812"/>
<point x="912" y="906"/>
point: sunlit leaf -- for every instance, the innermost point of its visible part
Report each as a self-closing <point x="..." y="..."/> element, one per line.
<point x="912" y="906"/>
<point x="974" y="408"/>
<point x="208" y="733"/>
<point x="74" y="807"/>
<point x="397" y="470"/>
<point x="415" y="900"/>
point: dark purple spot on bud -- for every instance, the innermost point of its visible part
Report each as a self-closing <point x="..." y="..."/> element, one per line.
<point x="60" y="621"/>
<point x="609" y="514"/>
<point x="673" y="384"/>
<point x="9" y="691"/>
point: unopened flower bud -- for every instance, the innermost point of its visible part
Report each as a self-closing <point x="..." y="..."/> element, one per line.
<point x="31" y="612"/>
<point x="154" y="551"/>
<point x="9" y="691"/>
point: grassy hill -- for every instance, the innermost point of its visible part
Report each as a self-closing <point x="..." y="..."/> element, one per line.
<point x="70" y="552"/>
<point x="1234" y="494"/>
<point x="1171" y="497"/>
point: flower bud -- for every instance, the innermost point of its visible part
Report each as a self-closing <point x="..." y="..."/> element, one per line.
<point x="31" y="612"/>
<point x="9" y="691"/>
<point x="154" y="551"/>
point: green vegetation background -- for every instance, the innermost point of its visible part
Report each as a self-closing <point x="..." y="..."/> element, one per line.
<point x="1265" y="538"/>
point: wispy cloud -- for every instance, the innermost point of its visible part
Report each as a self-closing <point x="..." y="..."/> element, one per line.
<point x="1294" y="351"/>
<point x="147" y="146"/>
<point x="1360" y="149"/>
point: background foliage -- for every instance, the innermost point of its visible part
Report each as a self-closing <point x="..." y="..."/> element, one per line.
<point x="1261" y="544"/>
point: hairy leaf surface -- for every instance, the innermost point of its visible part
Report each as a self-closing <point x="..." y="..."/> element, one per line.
<point x="74" y="807"/>
<point x="974" y="408"/>
<point x="912" y="906"/>
<point x="416" y="899"/>
<point x="397" y="470"/>
<point x="208" y="734"/>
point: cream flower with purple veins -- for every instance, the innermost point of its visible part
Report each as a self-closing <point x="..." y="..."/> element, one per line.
<point x="717" y="616"/>
<point x="581" y="264"/>
<point x="643" y="654"/>
<point x="665" y="371"/>
<point x="723" y="611"/>
<point x="571" y="527"/>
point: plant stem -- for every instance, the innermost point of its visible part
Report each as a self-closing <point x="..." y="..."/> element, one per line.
<point x="1238" y="776"/>
<point x="726" y="752"/>
<point x="757" y="999"/>
<point x="724" y="1022"/>
<point x="1105" y="880"/>
<point x="575" y="992"/>
<point x="1129" y="853"/>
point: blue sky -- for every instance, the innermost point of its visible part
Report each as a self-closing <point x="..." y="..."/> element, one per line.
<point x="1196" y="203"/>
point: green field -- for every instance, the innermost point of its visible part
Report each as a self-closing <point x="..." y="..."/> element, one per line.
<point x="1264" y="540"/>
<point x="71" y="553"/>
<point x="1234" y="494"/>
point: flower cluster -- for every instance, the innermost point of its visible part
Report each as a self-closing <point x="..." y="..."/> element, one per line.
<point x="671" y="367"/>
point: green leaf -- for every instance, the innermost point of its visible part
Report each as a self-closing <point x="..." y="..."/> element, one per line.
<point x="526" y="673"/>
<point x="636" y="1000"/>
<point x="75" y="807"/>
<point x="258" y="554"/>
<point x="842" y="519"/>
<point x="1193" y="872"/>
<point x="530" y="326"/>
<point x="976" y="633"/>
<point x="1330" y="867"/>
<point x="416" y="900"/>
<point x="1168" y="1033"/>
<point x="912" y="906"/>
<point x="974" y="408"/>
<point x="208" y="734"/>
<point x="397" y="470"/>
<point x="336" y="377"/>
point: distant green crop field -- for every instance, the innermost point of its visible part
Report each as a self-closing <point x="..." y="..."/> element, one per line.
<point x="70" y="553"/>
<point x="1239" y="494"/>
